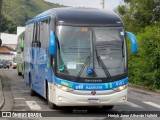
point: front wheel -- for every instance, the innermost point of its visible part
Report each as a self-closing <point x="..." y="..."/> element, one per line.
<point x="108" y="107"/>
<point x="23" y="75"/>
<point x="19" y="73"/>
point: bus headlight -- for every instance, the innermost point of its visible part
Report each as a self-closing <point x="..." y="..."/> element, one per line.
<point x="120" y="88"/>
<point x="64" y="88"/>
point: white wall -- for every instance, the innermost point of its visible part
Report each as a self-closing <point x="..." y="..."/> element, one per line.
<point x="8" y="38"/>
<point x="20" y="30"/>
<point x="6" y="56"/>
<point x="11" y="39"/>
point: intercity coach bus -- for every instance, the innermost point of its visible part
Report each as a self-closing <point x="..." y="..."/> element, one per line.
<point x="77" y="57"/>
<point x="19" y="55"/>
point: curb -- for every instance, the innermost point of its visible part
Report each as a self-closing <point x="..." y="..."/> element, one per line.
<point x="1" y="95"/>
<point x="143" y="88"/>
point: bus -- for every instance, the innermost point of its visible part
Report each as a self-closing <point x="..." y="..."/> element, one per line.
<point x="19" y="54"/>
<point x="77" y="57"/>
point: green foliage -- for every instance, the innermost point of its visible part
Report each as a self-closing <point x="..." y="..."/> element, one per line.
<point x="122" y="10"/>
<point x="144" y="68"/>
<point x="18" y="12"/>
<point x="142" y="17"/>
<point x="139" y="14"/>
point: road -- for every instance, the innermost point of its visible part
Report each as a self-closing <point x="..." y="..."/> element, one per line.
<point x="17" y="98"/>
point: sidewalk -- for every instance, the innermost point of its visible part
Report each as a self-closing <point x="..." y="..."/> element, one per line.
<point x="1" y="95"/>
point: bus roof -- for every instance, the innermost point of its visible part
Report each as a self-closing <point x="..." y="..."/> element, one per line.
<point x="81" y="16"/>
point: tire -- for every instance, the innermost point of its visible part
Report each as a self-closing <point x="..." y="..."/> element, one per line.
<point x="23" y="76"/>
<point x="51" y="105"/>
<point x="32" y="92"/>
<point x="108" y="107"/>
<point x="19" y="73"/>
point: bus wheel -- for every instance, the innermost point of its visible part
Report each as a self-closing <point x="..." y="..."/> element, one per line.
<point x="32" y="92"/>
<point x="51" y="105"/>
<point x="108" y="107"/>
<point x="23" y="75"/>
<point x="19" y="74"/>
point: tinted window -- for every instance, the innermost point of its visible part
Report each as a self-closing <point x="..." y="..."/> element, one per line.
<point x="44" y="33"/>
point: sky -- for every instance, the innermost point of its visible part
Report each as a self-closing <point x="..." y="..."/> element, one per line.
<point x="109" y="4"/>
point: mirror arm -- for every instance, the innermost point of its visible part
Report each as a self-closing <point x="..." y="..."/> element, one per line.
<point x="52" y="44"/>
<point x="133" y="41"/>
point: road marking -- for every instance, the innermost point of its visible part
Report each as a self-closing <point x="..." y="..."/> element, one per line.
<point x="152" y="104"/>
<point x="133" y="105"/>
<point x="33" y="105"/>
<point x="18" y="98"/>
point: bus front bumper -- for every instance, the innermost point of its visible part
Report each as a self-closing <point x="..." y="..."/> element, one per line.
<point x="69" y="99"/>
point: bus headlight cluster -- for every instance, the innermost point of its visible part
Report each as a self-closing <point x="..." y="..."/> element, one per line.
<point x="120" y="88"/>
<point x="67" y="89"/>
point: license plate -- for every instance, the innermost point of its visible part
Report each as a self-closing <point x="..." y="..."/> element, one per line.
<point x="93" y="100"/>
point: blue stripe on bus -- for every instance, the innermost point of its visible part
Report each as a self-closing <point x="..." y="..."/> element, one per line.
<point x="91" y="86"/>
<point x="37" y="19"/>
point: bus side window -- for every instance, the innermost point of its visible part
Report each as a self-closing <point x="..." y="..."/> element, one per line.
<point x="30" y="35"/>
<point x="41" y="33"/>
<point x="36" y="35"/>
<point x="44" y="34"/>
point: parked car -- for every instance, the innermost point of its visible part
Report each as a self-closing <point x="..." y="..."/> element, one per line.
<point x="5" y="64"/>
<point x="1" y="64"/>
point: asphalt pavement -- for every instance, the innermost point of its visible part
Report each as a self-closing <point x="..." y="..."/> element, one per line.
<point x="17" y="98"/>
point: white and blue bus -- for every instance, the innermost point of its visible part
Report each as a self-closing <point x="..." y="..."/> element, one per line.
<point x="77" y="57"/>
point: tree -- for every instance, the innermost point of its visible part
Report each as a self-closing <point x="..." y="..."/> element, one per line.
<point x="139" y="14"/>
<point x="142" y="17"/>
<point x="127" y="1"/>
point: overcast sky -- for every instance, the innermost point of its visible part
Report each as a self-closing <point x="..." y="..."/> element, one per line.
<point x="109" y="4"/>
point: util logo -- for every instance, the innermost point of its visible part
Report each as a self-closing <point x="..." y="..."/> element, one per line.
<point x="93" y="92"/>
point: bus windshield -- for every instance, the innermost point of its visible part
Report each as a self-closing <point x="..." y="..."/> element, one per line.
<point x="76" y="44"/>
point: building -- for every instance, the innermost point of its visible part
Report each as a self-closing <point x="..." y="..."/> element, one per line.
<point x="9" y="40"/>
<point x="6" y="53"/>
<point x="9" y="44"/>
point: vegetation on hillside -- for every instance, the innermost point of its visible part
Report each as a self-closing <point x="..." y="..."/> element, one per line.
<point x="142" y="17"/>
<point x="17" y="12"/>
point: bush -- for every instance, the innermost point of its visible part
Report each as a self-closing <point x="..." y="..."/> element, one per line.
<point x="144" y="68"/>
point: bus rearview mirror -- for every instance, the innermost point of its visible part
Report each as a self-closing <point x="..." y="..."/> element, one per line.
<point x="52" y="44"/>
<point x="133" y="41"/>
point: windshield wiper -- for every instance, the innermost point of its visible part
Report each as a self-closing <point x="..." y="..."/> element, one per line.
<point x="81" y="70"/>
<point x="100" y="62"/>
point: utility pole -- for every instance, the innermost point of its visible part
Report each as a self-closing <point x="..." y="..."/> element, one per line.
<point x="1" y="8"/>
<point x="103" y="4"/>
